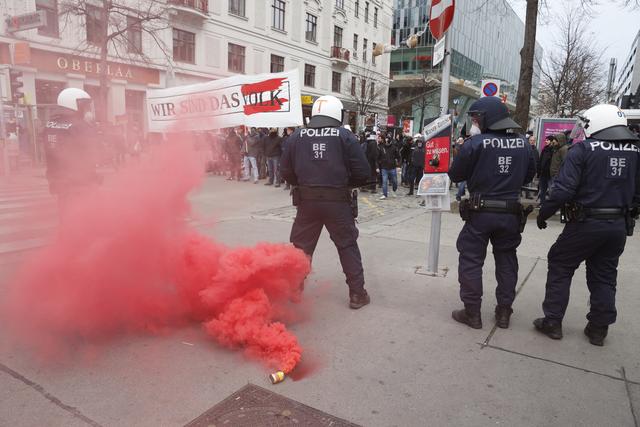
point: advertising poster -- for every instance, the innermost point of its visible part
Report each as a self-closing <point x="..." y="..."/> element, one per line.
<point x="552" y="126"/>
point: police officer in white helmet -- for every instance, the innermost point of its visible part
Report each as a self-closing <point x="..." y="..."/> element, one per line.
<point x="70" y="145"/>
<point x="325" y="162"/>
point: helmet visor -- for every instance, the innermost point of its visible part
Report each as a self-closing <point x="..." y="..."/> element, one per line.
<point x="577" y="133"/>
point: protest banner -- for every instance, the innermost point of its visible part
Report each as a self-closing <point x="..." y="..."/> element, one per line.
<point x="264" y="100"/>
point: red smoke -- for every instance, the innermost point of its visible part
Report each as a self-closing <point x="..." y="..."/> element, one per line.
<point x="126" y="261"/>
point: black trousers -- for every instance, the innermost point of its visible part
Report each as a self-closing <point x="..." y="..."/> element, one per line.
<point x="337" y="218"/>
<point x="598" y="242"/>
<point x="415" y="175"/>
<point x="503" y="231"/>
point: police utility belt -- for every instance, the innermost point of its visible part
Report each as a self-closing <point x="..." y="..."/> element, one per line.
<point x="326" y="194"/>
<point x="476" y="203"/>
<point x="575" y="212"/>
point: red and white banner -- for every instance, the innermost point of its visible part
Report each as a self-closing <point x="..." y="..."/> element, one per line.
<point x="441" y="17"/>
<point x="264" y="100"/>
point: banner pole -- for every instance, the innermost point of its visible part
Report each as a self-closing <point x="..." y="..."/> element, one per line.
<point x="436" y="216"/>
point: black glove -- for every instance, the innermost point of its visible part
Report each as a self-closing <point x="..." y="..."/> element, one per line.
<point x="542" y="224"/>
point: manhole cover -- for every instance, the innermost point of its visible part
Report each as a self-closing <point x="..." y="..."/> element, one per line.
<point x="255" y="406"/>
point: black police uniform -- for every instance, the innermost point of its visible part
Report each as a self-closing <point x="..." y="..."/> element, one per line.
<point x="70" y="150"/>
<point x="602" y="179"/>
<point x="324" y="162"/>
<point x="495" y="165"/>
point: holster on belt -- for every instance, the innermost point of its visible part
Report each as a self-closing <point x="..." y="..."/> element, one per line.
<point x="477" y="204"/>
<point x="572" y="212"/>
<point x="630" y="220"/>
<point x="354" y="203"/>
<point x="524" y="214"/>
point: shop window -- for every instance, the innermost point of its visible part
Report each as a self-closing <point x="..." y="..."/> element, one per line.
<point x="184" y="46"/>
<point x="47" y="91"/>
<point x="50" y="8"/>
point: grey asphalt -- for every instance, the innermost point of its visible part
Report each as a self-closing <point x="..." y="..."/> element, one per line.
<point x="401" y="361"/>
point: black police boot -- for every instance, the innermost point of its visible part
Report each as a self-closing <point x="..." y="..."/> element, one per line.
<point x="549" y="327"/>
<point x="358" y="299"/>
<point x="469" y="317"/>
<point x="503" y="314"/>
<point x="596" y="334"/>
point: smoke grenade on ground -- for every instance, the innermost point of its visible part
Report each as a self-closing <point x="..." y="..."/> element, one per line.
<point x="125" y="260"/>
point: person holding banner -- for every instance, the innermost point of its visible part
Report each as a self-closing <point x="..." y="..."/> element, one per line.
<point x="495" y="164"/>
<point x="324" y="162"/>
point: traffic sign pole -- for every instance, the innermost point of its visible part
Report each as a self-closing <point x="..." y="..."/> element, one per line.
<point x="436" y="216"/>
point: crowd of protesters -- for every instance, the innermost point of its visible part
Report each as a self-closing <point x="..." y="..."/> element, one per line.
<point x="254" y="154"/>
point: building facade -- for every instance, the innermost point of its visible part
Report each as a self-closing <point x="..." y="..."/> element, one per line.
<point x="628" y="79"/>
<point x="181" y="42"/>
<point x="486" y="39"/>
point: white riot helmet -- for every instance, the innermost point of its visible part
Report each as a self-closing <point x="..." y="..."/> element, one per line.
<point x="70" y="96"/>
<point x="327" y="111"/>
<point x="604" y="121"/>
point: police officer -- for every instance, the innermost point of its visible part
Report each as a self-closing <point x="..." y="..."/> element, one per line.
<point x="70" y="146"/>
<point x="324" y="161"/>
<point x="598" y="187"/>
<point x="495" y="164"/>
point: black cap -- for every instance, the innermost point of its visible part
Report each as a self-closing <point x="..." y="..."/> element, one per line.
<point x="496" y="113"/>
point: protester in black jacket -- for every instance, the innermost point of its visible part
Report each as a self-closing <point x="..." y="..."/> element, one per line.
<point x="272" y="153"/>
<point x="406" y="148"/>
<point x="544" y="166"/>
<point x="372" y="158"/>
<point x="388" y="161"/>
<point x="416" y="167"/>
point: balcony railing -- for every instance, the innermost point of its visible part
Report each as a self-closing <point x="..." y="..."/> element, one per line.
<point x="340" y="53"/>
<point x="201" y="6"/>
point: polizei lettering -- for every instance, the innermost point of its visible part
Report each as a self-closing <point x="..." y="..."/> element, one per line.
<point x="610" y="146"/>
<point x="504" y="143"/>
<point x="320" y="132"/>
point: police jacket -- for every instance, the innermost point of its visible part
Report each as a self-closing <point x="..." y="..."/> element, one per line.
<point x="273" y="145"/>
<point x="597" y="174"/>
<point x="71" y="153"/>
<point x="324" y="157"/>
<point x="388" y="156"/>
<point x="495" y="165"/>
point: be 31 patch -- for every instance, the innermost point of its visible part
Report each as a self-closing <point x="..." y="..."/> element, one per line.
<point x="617" y="167"/>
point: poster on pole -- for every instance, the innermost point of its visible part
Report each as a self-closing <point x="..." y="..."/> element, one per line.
<point x="263" y="100"/>
<point x="437" y="136"/>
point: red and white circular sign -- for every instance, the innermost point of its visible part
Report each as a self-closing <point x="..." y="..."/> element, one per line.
<point x="441" y="17"/>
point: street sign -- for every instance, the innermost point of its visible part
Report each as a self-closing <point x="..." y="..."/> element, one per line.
<point x="26" y="21"/>
<point x="441" y="17"/>
<point x="490" y="88"/>
<point x="438" y="52"/>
